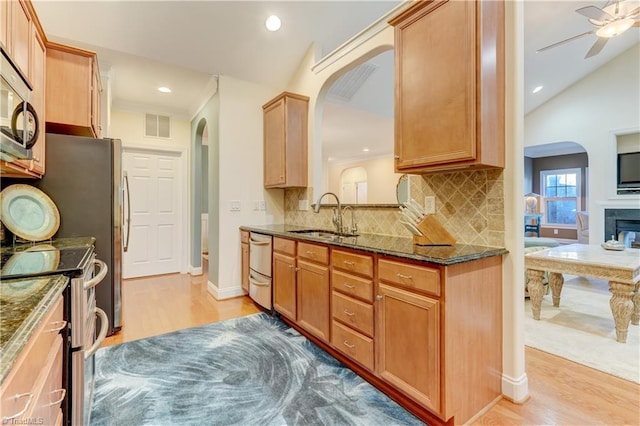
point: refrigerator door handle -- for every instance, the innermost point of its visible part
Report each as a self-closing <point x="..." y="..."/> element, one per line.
<point x="128" y="219"/>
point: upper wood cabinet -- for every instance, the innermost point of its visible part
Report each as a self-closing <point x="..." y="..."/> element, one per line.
<point x="449" y="62"/>
<point x="15" y="34"/>
<point x="73" y="91"/>
<point x="285" y="141"/>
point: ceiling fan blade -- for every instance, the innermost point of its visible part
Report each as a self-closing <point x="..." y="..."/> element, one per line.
<point x="597" y="47"/>
<point x="633" y="13"/>
<point x="551" y="46"/>
<point x="637" y="24"/>
<point x="595" y="13"/>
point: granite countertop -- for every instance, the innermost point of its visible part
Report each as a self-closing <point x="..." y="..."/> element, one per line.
<point x="59" y="243"/>
<point x="23" y="304"/>
<point x="389" y="245"/>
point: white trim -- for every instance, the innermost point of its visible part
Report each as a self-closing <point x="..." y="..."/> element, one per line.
<point x="183" y="186"/>
<point x="516" y="389"/>
<point x="359" y="39"/>
<point x="209" y="91"/>
<point x="195" y="270"/>
<point x="225" y="293"/>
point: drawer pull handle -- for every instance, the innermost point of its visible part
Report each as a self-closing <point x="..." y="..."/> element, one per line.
<point x="348" y="262"/>
<point x="24" y="410"/>
<point x="63" y="393"/>
<point x="378" y="297"/>
<point x="311" y="253"/>
<point x="406" y="277"/>
<point x="290" y="266"/>
<point x="349" y="313"/>
<point x="347" y="344"/>
<point x="57" y="326"/>
<point x="349" y="286"/>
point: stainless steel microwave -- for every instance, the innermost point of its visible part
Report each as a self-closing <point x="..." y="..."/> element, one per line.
<point x="19" y="124"/>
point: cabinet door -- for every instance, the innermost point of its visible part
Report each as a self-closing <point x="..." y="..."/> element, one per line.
<point x="96" y="97"/>
<point x="274" y="144"/>
<point x="5" y="23"/>
<point x="284" y="285"/>
<point x="313" y="299"/>
<point x="21" y="35"/>
<point x="38" y="78"/>
<point x="245" y="266"/>
<point x="435" y="89"/>
<point x="408" y="339"/>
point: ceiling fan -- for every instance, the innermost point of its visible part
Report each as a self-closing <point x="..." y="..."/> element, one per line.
<point x="612" y="20"/>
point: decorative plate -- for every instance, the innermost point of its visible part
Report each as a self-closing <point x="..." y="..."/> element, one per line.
<point x="40" y="258"/>
<point x="28" y="212"/>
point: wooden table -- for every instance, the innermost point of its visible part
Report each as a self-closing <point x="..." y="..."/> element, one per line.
<point x="620" y="268"/>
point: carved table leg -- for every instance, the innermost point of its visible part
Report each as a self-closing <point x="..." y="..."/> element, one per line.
<point x="635" y="316"/>
<point x="621" y="307"/>
<point x="536" y="290"/>
<point x="555" y="282"/>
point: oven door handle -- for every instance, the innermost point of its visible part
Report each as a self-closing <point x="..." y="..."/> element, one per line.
<point x="104" y="326"/>
<point x="101" y="274"/>
<point x="259" y="243"/>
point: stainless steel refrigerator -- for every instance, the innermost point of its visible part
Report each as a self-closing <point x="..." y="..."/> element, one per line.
<point x="83" y="177"/>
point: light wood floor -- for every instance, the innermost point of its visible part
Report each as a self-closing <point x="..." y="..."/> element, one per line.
<point x="562" y="392"/>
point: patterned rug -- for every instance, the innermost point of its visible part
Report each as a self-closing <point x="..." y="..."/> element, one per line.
<point x="582" y="329"/>
<point x="253" y="370"/>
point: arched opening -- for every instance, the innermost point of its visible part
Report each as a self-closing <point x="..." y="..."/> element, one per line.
<point x="353" y="185"/>
<point x="200" y="225"/>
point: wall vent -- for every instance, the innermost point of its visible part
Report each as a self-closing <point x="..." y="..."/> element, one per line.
<point x="157" y="126"/>
<point x="344" y="88"/>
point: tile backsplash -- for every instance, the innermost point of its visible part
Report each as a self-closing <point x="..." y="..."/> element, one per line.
<point x="469" y="204"/>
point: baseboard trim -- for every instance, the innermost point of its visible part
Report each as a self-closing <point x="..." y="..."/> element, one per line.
<point x="515" y="390"/>
<point x="195" y="270"/>
<point x="225" y="293"/>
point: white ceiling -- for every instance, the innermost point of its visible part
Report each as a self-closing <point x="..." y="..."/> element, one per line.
<point x="182" y="44"/>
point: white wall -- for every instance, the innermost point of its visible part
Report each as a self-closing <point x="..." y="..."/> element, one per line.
<point x="129" y="127"/>
<point x="590" y="113"/>
<point x="241" y="176"/>
<point x="381" y="180"/>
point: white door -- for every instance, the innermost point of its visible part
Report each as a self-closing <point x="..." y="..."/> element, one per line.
<point x="156" y="214"/>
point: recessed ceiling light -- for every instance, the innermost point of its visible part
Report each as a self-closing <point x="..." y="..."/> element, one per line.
<point x="365" y="150"/>
<point x="164" y="89"/>
<point x="537" y="89"/>
<point x="272" y="23"/>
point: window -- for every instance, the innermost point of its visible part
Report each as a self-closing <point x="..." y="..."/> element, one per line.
<point x="561" y="195"/>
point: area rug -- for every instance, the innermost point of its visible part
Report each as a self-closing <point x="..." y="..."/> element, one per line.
<point x="582" y="329"/>
<point x="253" y="370"/>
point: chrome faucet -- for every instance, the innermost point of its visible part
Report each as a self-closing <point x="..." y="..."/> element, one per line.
<point x="337" y="213"/>
<point x="354" y="225"/>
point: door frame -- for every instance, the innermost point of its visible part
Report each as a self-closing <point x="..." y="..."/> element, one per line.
<point x="183" y="187"/>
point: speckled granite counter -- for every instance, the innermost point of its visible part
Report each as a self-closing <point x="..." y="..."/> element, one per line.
<point x="389" y="245"/>
<point x="23" y="304"/>
<point x="59" y="243"/>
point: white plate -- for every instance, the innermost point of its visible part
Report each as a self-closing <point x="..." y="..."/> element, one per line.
<point x="40" y="258"/>
<point x="28" y="212"/>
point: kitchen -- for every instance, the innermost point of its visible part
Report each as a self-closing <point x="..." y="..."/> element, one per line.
<point x="230" y="129"/>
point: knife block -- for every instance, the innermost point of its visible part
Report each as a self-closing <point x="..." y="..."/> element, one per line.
<point x="433" y="233"/>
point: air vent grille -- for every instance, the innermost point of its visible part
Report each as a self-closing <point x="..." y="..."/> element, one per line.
<point x="348" y="85"/>
<point x="157" y="126"/>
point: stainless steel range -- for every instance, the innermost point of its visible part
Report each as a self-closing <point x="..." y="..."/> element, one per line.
<point x="79" y="264"/>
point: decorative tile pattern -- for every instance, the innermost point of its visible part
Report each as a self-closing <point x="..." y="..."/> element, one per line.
<point x="469" y="204"/>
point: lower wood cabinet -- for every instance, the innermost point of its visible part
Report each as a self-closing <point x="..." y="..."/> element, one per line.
<point x="313" y="288"/>
<point x="33" y="387"/>
<point x="284" y="285"/>
<point x="408" y="341"/>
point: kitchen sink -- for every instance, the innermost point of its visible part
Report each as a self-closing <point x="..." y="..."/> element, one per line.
<point x="321" y="233"/>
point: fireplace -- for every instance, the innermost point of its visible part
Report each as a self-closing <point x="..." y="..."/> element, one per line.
<point x="623" y="225"/>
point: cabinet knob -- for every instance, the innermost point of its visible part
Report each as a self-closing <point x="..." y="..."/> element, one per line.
<point x="396" y="157"/>
<point x="378" y="298"/>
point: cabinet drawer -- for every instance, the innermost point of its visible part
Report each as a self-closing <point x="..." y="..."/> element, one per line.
<point x="284" y="246"/>
<point x="22" y="377"/>
<point x="314" y="252"/>
<point x="353" y="344"/>
<point x="355" y="314"/>
<point x="360" y="288"/>
<point x="244" y="237"/>
<point x="352" y="262"/>
<point x="410" y="276"/>
<point x="50" y="389"/>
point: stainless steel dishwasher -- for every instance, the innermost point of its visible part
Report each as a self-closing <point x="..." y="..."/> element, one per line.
<point x="260" y="289"/>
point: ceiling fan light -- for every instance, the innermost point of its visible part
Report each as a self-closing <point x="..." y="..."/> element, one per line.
<point x="615" y="28"/>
